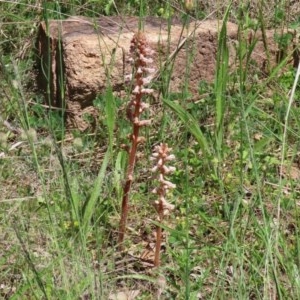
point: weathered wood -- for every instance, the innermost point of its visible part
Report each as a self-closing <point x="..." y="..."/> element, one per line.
<point x="79" y="57"/>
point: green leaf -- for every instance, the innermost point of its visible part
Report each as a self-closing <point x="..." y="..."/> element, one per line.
<point x="92" y="202"/>
<point x="110" y="111"/>
<point x="119" y="167"/>
<point x="107" y="7"/>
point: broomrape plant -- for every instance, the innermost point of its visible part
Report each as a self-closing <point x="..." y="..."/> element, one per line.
<point x="141" y="58"/>
<point x="161" y="155"/>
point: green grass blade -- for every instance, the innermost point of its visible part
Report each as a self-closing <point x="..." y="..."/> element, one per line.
<point x="91" y="204"/>
<point x="110" y="110"/>
<point x="221" y="78"/>
<point x="264" y="85"/>
<point x="191" y="124"/>
<point x="75" y="200"/>
<point x="118" y="172"/>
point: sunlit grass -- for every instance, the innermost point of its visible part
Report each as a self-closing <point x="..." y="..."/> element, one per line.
<point x="234" y="233"/>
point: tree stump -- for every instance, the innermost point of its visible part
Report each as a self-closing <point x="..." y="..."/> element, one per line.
<point x="79" y="57"/>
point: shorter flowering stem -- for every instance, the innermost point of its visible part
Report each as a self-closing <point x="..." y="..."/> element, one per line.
<point x="160" y="210"/>
<point x="161" y="155"/>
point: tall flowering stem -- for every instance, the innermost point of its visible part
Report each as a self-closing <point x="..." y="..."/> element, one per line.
<point x="161" y="156"/>
<point x="141" y="58"/>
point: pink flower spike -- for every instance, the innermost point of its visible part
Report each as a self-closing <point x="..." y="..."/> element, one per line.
<point x="166" y="169"/>
<point x="169" y="184"/>
<point x="163" y="208"/>
<point x="132" y="103"/>
<point x="161" y="178"/>
<point x="160" y="162"/>
<point x="154" y="169"/>
<point x="147" y="80"/>
<point x="144" y="123"/>
<point x="145" y="59"/>
<point x="149" y="51"/>
<point x="147" y="91"/>
<point x="136" y="120"/>
<point x="143" y="106"/>
<point x="149" y="70"/>
<point x="127" y="78"/>
<point x="136" y="90"/>
<point x="167" y="205"/>
<point x="170" y="157"/>
<point x="172" y="169"/>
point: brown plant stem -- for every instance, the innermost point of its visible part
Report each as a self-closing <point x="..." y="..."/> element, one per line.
<point x="158" y="235"/>
<point x="129" y="175"/>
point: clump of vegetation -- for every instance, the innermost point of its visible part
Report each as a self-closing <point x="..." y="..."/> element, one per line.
<point x="233" y="232"/>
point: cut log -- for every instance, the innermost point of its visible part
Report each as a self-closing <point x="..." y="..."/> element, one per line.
<point x="80" y="57"/>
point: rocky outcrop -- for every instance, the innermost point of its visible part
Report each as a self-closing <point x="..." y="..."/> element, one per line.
<point x="79" y="57"/>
